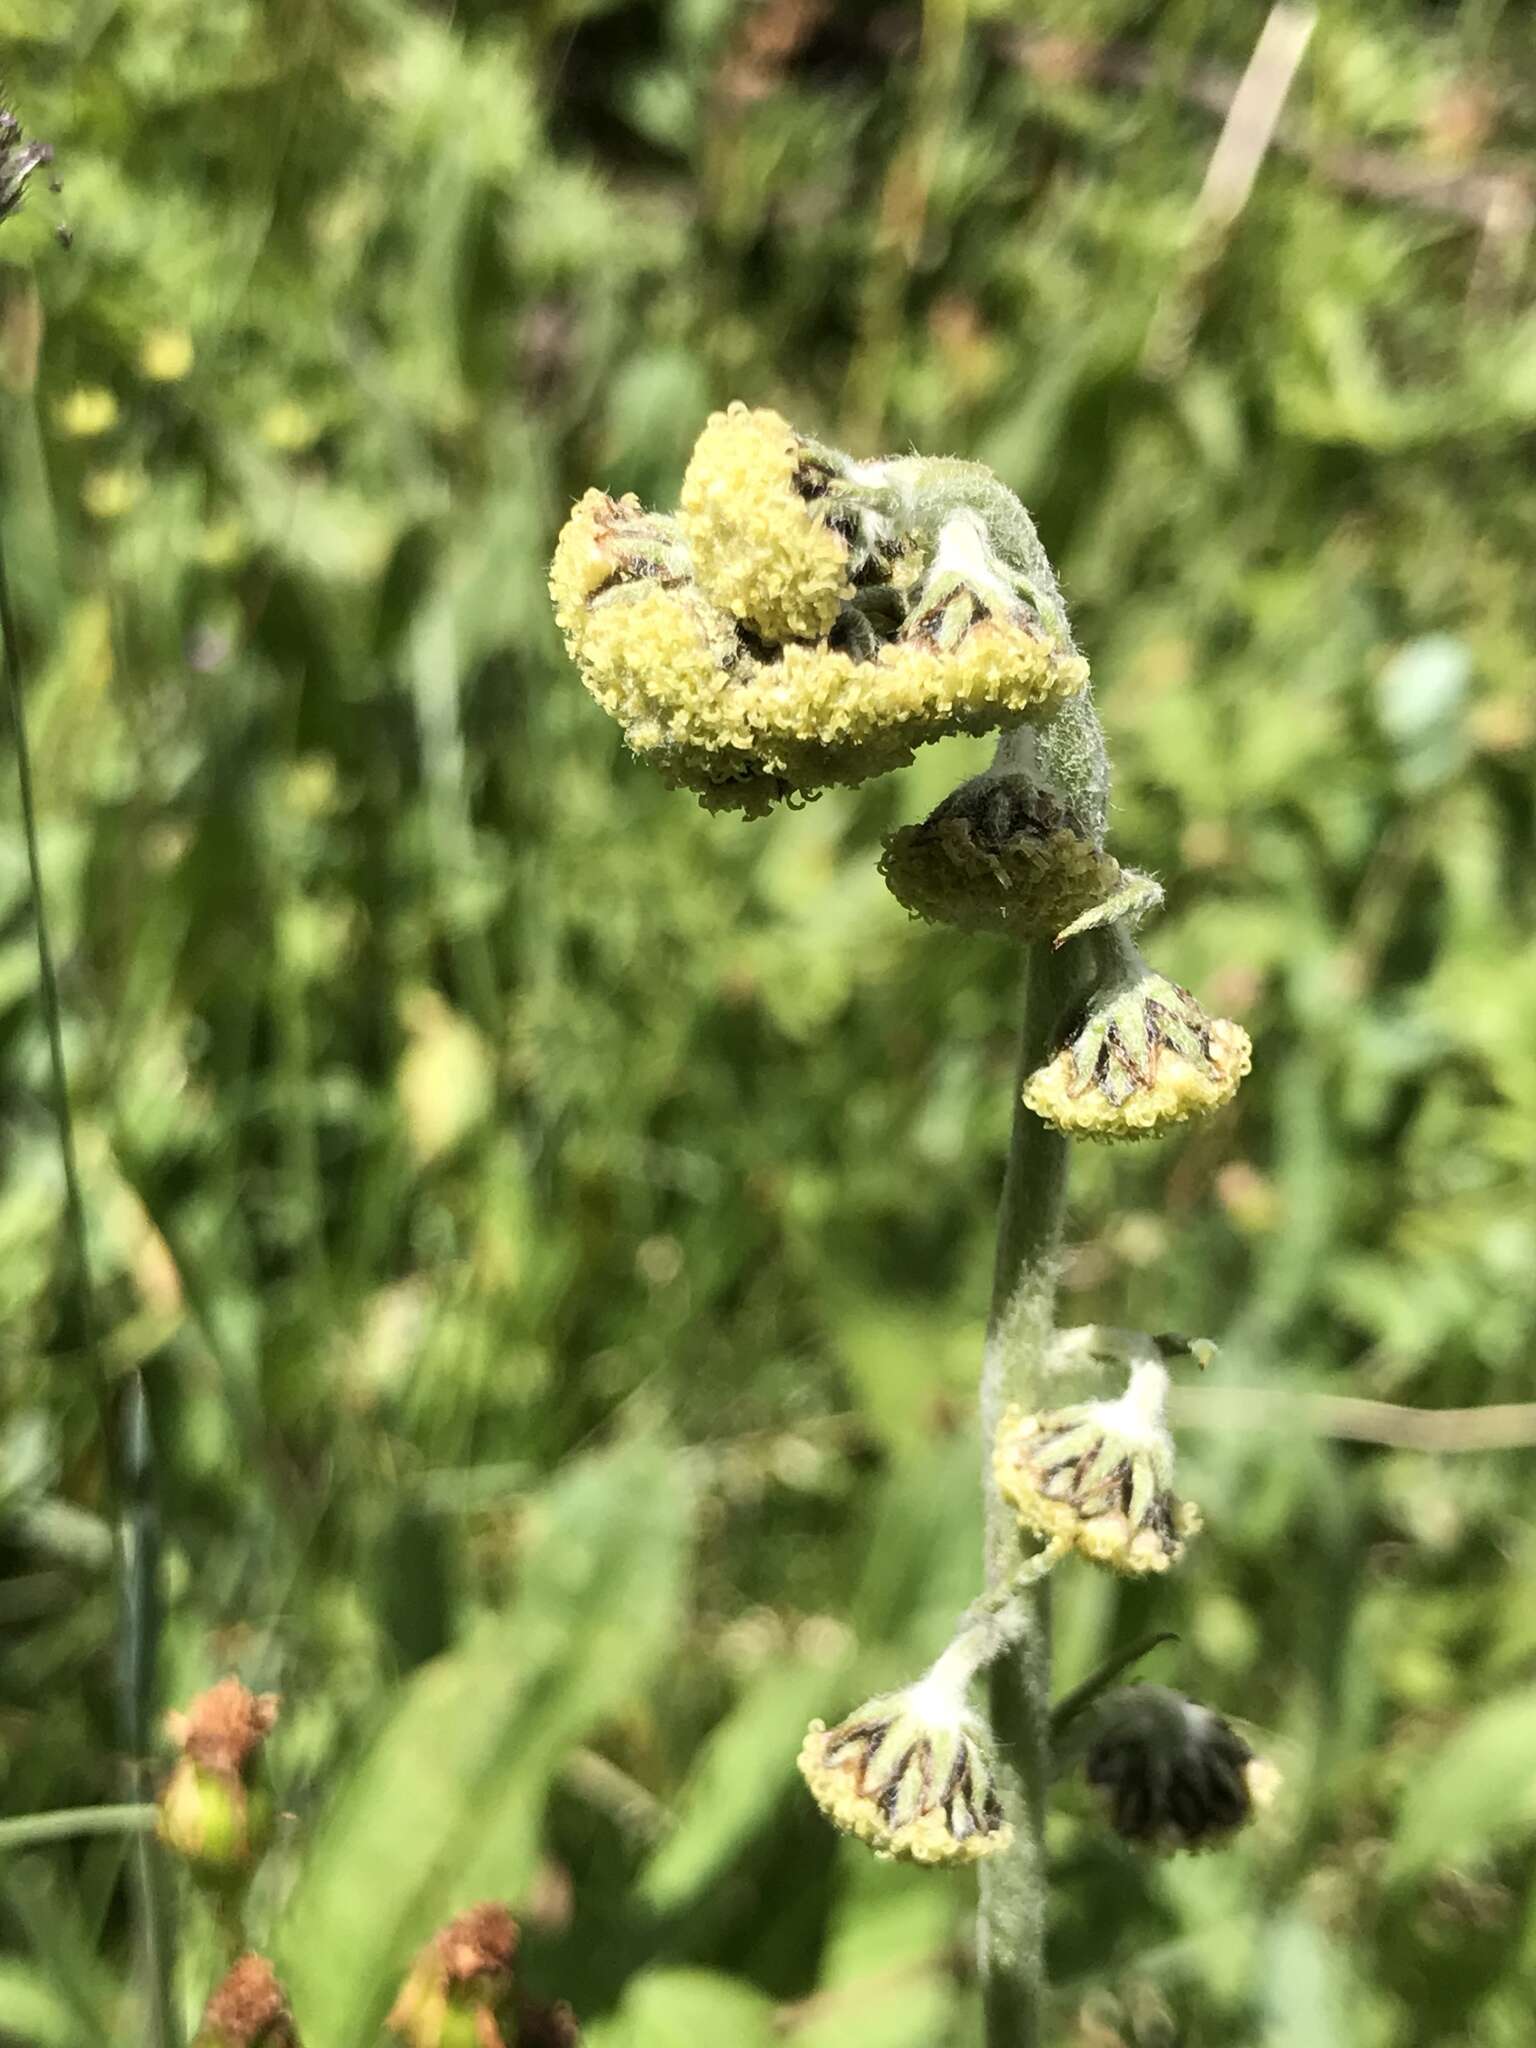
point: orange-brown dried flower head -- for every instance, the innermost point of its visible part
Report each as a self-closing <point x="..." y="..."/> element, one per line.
<point x="216" y="1811"/>
<point x="459" y="1993"/>
<point x="224" y="1727"/>
<point x="247" y="2010"/>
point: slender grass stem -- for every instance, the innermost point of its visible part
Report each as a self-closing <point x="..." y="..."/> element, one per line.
<point x="129" y="1460"/>
<point x="35" y="1830"/>
<point x="1011" y="1930"/>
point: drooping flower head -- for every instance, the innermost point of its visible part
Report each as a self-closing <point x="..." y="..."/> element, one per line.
<point x="1147" y="1057"/>
<point x="1099" y="1474"/>
<point x="911" y="1774"/>
<point x="215" y="1809"/>
<point x="998" y="855"/>
<point x="1172" y="1774"/>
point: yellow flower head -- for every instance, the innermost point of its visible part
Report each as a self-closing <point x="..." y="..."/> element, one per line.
<point x="1170" y="1773"/>
<point x="1100" y="1474"/>
<point x="1148" y="1057"/>
<point x="992" y="650"/>
<point x="998" y="855"/>
<point x="910" y="1774"/>
<point x="754" y="508"/>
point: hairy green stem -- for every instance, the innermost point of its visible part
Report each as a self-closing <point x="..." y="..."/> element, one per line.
<point x="1011" y="1929"/>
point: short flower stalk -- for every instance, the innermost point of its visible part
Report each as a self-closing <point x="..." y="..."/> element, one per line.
<point x="808" y="620"/>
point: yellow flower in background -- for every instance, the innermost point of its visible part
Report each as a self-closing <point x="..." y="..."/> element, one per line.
<point x="166" y="355"/>
<point x="87" y="412"/>
<point x="289" y="427"/>
<point x="109" y="494"/>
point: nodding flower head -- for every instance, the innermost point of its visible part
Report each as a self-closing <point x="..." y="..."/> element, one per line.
<point x="1146" y="1058"/>
<point x="755" y="505"/>
<point x="248" y="2009"/>
<point x="1172" y="1774"/>
<point x="1100" y="1474"/>
<point x="975" y="619"/>
<point x="18" y="160"/>
<point x="998" y="855"/>
<point x="910" y="1773"/>
<point x="215" y="1810"/>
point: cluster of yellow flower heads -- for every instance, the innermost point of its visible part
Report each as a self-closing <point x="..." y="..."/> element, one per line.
<point x="779" y="636"/>
<point x="910" y="1774"/>
<point x="999" y="855"/>
<point x="1148" y="1057"/>
<point x="1099" y="1475"/>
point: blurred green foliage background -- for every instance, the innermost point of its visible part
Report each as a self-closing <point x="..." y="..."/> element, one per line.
<point x="554" y="1224"/>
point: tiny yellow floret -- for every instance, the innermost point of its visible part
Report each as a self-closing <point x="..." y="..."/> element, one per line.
<point x="762" y="546"/>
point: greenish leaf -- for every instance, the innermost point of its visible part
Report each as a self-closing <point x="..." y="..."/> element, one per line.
<point x="742" y="1772"/>
<point x="1478" y="1788"/>
<point x="445" y="1801"/>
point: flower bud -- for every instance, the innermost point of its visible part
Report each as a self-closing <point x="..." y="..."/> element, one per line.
<point x="754" y="506"/>
<point x="1099" y="1474"/>
<point x="247" y="2010"/>
<point x="460" y="1993"/>
<point x="216" y="1812"/>
<point x="1172" y="1774"/>
<point x="1148" y="1057"/>
<point x="998" y="855"/>
<point x="909" y="1773"/>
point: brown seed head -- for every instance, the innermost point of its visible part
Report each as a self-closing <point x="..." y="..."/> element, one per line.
<point x="248" y="2010"/>
<point x="223" y="1728"/>
<point x="479" y="1943"/>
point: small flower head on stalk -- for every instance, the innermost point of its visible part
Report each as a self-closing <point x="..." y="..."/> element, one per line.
<point x="1172" y="1774"/>
<point x="248" y="2009"/>
<point x="1145" y="1058"/>
<point x="1000" y="855"/>
<point x="911" y="1774"/>
<point x="1099" y="1474"/>
<point x="216" y="1811"/>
